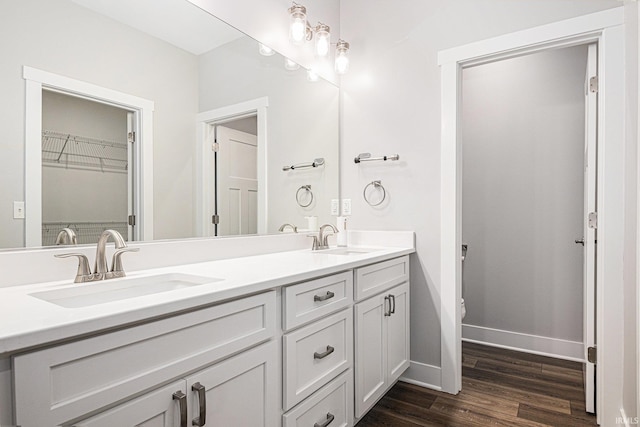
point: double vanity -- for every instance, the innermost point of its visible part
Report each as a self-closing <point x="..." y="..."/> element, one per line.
<point x="292" y="338"/>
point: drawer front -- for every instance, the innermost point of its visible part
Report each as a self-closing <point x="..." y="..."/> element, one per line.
<point x="376" y="278"/>
<point x="331" y="405"/>
<point x="316" y="354"/>
<point x="311" y="300"/>
<point x="67" y="381"/>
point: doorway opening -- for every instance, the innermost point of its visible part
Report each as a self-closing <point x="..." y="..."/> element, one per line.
<point x="528" y="147"/>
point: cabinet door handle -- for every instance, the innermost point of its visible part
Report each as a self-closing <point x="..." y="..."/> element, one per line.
<point x="317" y="355"/>
<point x="325" y="297"/>
<point x="326" y="422"/>
<point x="392" y="298"/>
<point x="182" y="403"/>
<point x="387" y="312"/>
<point x="202" y="402"/>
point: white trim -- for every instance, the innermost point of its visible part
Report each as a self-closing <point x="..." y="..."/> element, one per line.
<point x="204" y="164"/>
<point x="36" y="81"/>
<point x="423" y="375"/>
<point x="606" y="29"/>
<point x="536" y="344"/>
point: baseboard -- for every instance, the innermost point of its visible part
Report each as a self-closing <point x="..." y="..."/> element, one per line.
<point x="544" y="346"/>
<point x="423" y="375"/>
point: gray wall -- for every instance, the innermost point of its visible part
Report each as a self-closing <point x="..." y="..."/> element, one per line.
<point x="84" y="46"/>
<point x="522" y="195"/>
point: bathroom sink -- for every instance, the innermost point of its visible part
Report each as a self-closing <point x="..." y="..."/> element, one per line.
<point x="94" y="293"/>
<point x="345" y="251"/>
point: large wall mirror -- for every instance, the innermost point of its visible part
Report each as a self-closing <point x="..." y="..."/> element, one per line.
<point x="222" y="117"/>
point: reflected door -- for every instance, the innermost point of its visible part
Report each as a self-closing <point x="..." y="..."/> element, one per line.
<point x="236" y="182"/>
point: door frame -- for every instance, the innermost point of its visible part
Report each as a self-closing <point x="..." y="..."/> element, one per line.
<point x="606" y="29"/>
<point x="205" y="171"/>
<point x="38" y="80"/>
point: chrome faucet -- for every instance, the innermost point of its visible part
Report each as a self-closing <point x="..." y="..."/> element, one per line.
<point x="66" y="236"/>
<point x="321" y="240"/>
<point x="101" y="271"/>
<point x="284" y="226"/>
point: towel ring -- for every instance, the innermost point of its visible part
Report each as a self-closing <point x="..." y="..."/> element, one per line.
<point x="308" y="191"/>
<point x="377" y="185"/>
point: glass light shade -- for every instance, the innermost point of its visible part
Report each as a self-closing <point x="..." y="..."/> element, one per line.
<point x="323" y="40"/>
<point x="312" y="76"/>
<point x="266" y="50"/>
<point x="298" y="24"/>
<point x="342" y="59"/>
<point x="290" y="65"/>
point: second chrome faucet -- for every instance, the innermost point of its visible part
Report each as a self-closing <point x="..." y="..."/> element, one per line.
<point x="321" y="241"/>
<point x="101" y="270"/>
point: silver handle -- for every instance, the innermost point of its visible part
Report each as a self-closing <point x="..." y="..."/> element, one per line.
<point x="579" y="242"/>
<point x="465" y="248"/>
<point x="392" y="298"/>
<point x="325" y="423"/>
<point x="84" y="270"/>
<point x="387" y="312"/>
<point x="182" y="403"/>
<point x="116" y="261"/>
<point x="202" y="402"/>
<point x="317" y="355"/>
<point x="325" y="297"/>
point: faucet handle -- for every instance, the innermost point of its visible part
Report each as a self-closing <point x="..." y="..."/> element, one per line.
<point x="315" y="244"/>
<point x="84" y="271"/>
<point x="116" y="263"/>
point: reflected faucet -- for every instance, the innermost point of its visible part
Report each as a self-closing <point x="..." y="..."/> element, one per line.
<point x="101" y="268"/>
<point x="284" y="226"/>
<point x="66" y="236"/>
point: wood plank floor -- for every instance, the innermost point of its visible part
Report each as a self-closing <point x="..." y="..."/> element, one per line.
<point x="499" y="388"/>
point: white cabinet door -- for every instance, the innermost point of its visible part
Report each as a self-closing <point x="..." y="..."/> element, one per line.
<point x="398" y="332"/>
<point x="371" y="352"/>
<point x="382" y="344"/>
<point x="238" y="392"/>
<point x="155" y="409"/>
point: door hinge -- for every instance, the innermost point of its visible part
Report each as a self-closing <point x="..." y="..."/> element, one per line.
<point x="215" y="147"/>
<point x="131" y="136"/>
<point x="593" y="84"/>
<point x="132" y="220"/>
<point x="591" y="354"/>
<point x="593" y="220"/>
<point x="215" y="219"/>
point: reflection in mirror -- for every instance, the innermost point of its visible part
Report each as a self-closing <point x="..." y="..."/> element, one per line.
<point x="204" y="79"/>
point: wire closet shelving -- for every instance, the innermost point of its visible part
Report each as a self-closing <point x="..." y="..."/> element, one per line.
<point x="67" y="150"/>
<point x="86" y="232"/>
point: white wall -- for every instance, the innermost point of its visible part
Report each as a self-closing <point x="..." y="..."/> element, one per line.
<point x="522" y="194"/>
<point x="84" y="46"/>
<point x="391" y="103"/>
<point x="302" y="125"/>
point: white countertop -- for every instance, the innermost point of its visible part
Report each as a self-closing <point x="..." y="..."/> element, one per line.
<point x="27" y="321"/>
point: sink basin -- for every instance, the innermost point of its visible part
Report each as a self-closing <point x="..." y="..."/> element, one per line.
<point x="345" y="251"/>
<point x="94" y="293"/>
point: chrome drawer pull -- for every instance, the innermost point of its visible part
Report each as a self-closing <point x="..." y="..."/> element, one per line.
<point x="387" y="312"/>
<point x="328" y="295"/>
<point x="325" y="423"/>
<point x="317" y="355"/>
<point x="202" y="401"/>
<point x="392" y="298"/>
<point x="182" y="403"/>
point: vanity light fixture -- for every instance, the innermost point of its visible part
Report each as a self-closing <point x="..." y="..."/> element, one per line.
<point x="266" y="50"/>
<point x="299" y="29"/>
<point x="290" y="65"/>
<point x="342" y="59"/>
<point x="323" y="40"/>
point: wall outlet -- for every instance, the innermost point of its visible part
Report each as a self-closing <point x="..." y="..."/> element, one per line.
<point x="18" y="210"/>
<point x="346" y="207"/>
<point x="335" y="207"/>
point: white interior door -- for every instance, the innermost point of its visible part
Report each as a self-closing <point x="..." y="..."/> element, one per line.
<point x="590" y="163"/>
<point x="237" y="182"/>
<point x="131" y="140"/>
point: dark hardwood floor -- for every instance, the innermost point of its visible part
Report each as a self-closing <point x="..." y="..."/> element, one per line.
<point x="499" y="388"/>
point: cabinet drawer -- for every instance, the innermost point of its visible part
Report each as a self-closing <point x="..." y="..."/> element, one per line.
<point x="70" y="380"/>
<point x="311" y="300"/>
<point x="316" y="354"/>
<point x="376" y="278"/>
<point x="332" y="402"/>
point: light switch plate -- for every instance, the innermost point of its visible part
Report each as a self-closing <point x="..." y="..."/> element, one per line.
<point x="335" y="207"/>
<point x="18" y="210"/>
<point x="346" y="207"/>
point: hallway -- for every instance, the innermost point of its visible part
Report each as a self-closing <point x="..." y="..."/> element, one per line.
<point x="499" y="388"/>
